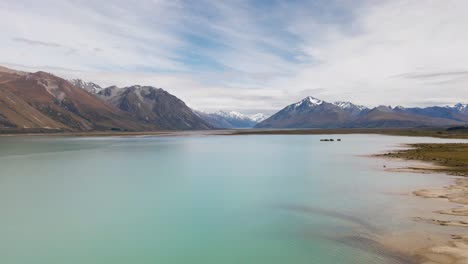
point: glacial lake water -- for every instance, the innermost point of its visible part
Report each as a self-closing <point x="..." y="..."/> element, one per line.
<point x="200" y="199"/>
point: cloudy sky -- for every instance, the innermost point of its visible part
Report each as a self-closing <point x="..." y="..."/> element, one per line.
<point x="250" y="56"/>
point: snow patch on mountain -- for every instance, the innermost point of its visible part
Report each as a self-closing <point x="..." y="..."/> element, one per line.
<point x="231" y="119"/>
<point x="309" y="100"/>
<point x="399" y="107"/>
<point x="258" y="117"/>
<point x="88" y="86"/>
<point x="461" y="107"/>
<point x="349" y="105"/>
<point x="236" y="115"/>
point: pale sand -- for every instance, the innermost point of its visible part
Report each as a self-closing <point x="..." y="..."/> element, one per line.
<point x="432" y="247"/>
<point x="456" y="193"/>
<point x="460" y="211"/>
<point x="426" y="248"/>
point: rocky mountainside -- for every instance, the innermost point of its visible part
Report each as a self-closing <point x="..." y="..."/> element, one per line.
<point x="231" y="119"/>
<point x="88" y="86"/>
<point x="32" y="101"/>
<point x="315" y="113"/>
<point x="42" y="100"/>
<point x="153" y="106"/>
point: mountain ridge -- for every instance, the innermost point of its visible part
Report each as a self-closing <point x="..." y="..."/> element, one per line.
<point x="231" y="119"/>
<point x="153" y="105"/>
<point x="42" y="100"/>
<point x="312" y="112"/>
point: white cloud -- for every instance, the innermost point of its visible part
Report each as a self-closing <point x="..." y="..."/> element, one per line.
<point x="392" y="39"/>
<point x="79" y="30"/>
<point x="398" y="52"/>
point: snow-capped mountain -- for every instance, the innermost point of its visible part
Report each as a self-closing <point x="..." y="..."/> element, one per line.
<point x="399" y="107"/>
<point x="259" y="117"/>
<point x="461" y="107"/>
<point x="232" y="119"/>
<point x="312" y="112"/>
<point x="315" y="113"/>
<point x="88" y="86"/>
<point x="305" y="103"/>
<point x="349" y="105"/>
<point x="353" y="109"/>
<point x="239" y="116"/>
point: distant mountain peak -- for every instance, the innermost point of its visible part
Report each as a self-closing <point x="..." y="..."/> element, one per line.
<point x="144" y="89"/>
<point x="348" y="105"/>
<point x="237" y="115"/>
<point x="384" y="108"/>
<point x="312" y="100"/>
<point x="315" y="113"/>
<point x="399" y="107"/>
<point x="88" y="86"/>
<point x="461" y="107"/>
<point x="259" y="117"/>
<point x="231" y="119"/>
<point x="309" y="101"/>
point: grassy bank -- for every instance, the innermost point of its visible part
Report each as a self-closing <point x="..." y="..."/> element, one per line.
<point x="450" y="158"/>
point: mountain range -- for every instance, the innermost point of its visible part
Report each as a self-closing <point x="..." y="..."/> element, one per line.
<point x="154" y="105"/>
<point x="149" y="105"/>
<point x="315" y="113"/>
<point x="231" y="119"/>
<point x="41" y="101"/>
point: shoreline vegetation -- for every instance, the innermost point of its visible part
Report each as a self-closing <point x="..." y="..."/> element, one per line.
<point x="449" y="158"/>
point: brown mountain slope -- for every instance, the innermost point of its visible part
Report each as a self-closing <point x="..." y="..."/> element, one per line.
<point x="42" y="100"/>
<point x="16" y="113"/>
<point x="8" y="70"/>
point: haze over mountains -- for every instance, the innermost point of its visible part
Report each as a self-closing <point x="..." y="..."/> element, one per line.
<point x="43" y="101"/>
<point x="231" y="119"/>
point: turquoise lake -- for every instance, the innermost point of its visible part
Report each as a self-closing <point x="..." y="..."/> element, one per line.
<point x="200" y="199"/>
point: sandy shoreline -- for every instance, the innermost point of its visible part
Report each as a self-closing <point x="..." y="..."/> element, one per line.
<point x="447" y="247"/>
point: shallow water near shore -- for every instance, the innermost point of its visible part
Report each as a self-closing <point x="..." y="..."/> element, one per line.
<point x="202" y="199"/>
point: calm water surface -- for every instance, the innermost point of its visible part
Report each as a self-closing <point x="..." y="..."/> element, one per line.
<point x="198" y="199"/>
